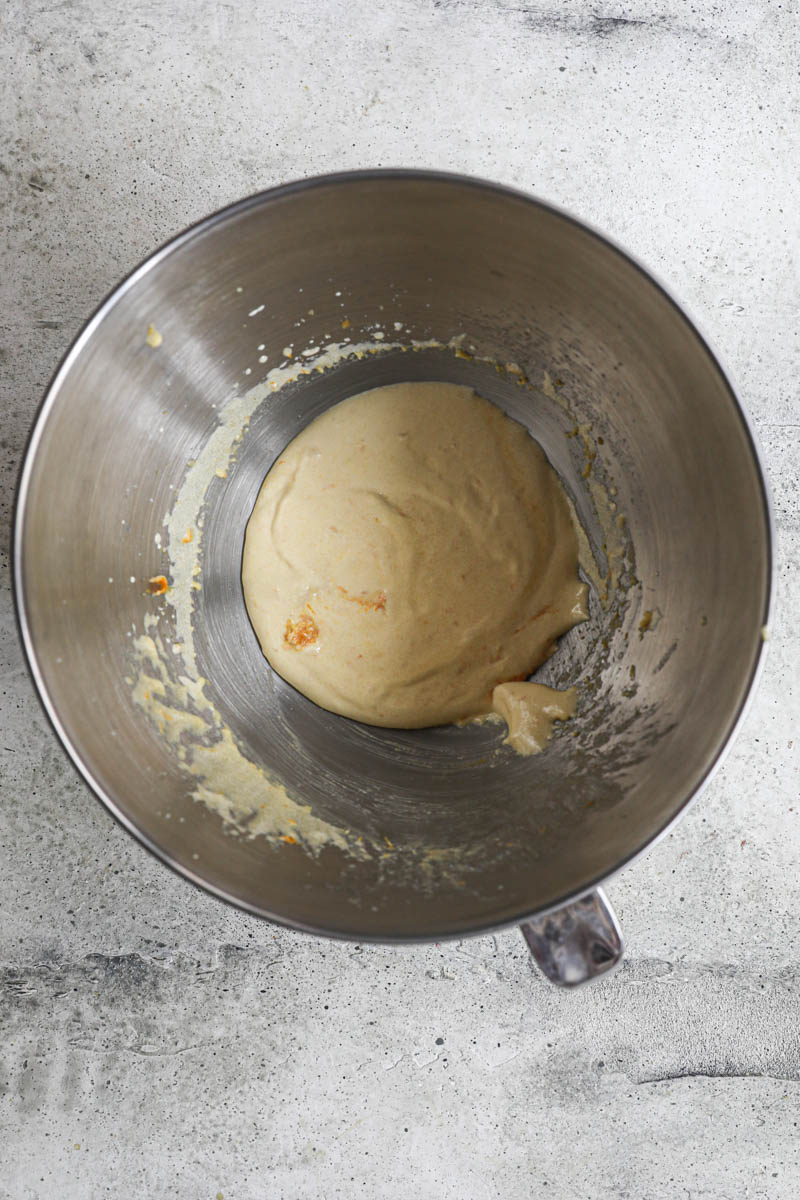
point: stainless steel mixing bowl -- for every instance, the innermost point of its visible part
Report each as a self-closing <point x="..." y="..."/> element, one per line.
<point x="526" y="283"/>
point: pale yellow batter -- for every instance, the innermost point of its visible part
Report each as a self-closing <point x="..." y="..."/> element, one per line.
<point x="409" y="551"/>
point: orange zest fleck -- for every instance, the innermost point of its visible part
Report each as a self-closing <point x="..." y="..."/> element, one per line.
<point x="157" y="585"/>
<point x="287" y="837"/>
<point x="300" y="633"/>
<point x="376" y="603"/>
<point x="346" y="323"/>
<point x="187" y="537"/>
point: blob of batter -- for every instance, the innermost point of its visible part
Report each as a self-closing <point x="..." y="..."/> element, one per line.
<point x="529" y="710"/>
<point x="409" y="551"/>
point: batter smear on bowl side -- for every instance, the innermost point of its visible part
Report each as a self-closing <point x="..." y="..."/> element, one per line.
<point x="411" y="559"/>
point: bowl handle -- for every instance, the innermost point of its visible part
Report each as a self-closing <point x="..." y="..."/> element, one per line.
<point x="577" y="943"/>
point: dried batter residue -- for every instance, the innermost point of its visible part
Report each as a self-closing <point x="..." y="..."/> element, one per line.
<point x="226" y="781"/>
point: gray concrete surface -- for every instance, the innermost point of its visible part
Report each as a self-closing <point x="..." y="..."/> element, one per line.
<point x="155" y="1043"/>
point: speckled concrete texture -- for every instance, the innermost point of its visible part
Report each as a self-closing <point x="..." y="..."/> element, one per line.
<point x="156" y="1043"/>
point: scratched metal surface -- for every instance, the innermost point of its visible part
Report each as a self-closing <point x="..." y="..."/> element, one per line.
<point x="154" y="1041"/>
